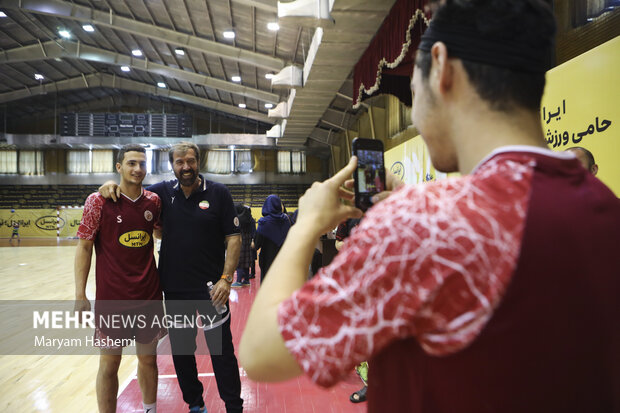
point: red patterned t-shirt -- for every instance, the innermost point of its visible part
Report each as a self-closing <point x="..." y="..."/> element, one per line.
<point x="123" y="236"/>
<point x="432" y="262"/>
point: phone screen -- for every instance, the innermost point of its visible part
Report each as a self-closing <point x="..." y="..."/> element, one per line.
<point x="370" y="176"/>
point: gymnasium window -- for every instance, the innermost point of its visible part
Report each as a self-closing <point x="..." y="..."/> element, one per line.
<point x="244" y="163"/>
<point x="90" y="161"/>
<point x="585" y="11"/>
<point x="31" y="163"/>
<point x="219" y="161"/>
<point x="163" y="162"/>
<point x="8" y="162"/>
<point x="231" y="160"/>
<point x="291" y="162"/>
<point x="103" y="161"/>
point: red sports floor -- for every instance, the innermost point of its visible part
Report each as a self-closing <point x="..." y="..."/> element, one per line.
<point x="299" y="395"/>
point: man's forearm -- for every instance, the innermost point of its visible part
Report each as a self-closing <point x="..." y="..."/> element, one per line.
<point x="286" y="275"/>
<point x="233" y="249"/>
<point x="83" y="256"/>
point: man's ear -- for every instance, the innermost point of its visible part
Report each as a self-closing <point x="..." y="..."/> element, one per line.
<point x="118" y="167"/>
<point x="594" y="169"/>
<point x="442" y="70"/>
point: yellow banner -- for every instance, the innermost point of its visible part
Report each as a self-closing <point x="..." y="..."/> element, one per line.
<point x="411" y="162"/>
<point x="72" y="218"/>
<point x="33" y="223"/>
<point x="581" y="107"/>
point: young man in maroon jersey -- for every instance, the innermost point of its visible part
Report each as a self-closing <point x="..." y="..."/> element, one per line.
<point x="496" y="291"/>
<point x="122" y="234"/>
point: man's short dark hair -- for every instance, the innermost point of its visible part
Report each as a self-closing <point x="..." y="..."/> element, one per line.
<point x="183" y="147"/>
<point x="587" y="153"/>
<point x="132" y="147"/>
<point x="527" y="22"/>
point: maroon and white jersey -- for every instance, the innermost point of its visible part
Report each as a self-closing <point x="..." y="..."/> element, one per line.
<point x="434" y="262"/>
<point x="123" y="235"/>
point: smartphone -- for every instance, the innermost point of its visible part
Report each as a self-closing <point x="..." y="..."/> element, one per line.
<point x="370" y="173"/>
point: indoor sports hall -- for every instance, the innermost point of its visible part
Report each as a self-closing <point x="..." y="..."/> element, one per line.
<point x="272" y="93"/>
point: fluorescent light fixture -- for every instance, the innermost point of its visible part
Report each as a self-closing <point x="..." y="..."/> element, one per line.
<point x="229" y="34"/>
<point x="2" y="14"/>
<point x="269" y="76"/>
<point x="161" y="85"/>
<point x="136" y="52"/>
<point x="38" y="76"/>
<point x="273" y="26"/>
<point x="179" y="51"/>
<point x="125" y="68"/>
<point x="268" y="105"/>
<point x="88" y="28"/>
<point x="242" y="105"/>
<point x="64" y="33"/>
<point x="236" y="78"/>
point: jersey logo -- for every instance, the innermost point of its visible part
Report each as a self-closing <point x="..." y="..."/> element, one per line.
<point x="148" y="215"/>
<point x="134" y="239"/>
<point x="236" y="221"/>
<point x="119" y="219"/>
<point x="172" y="202"/>
<point x="204" y="204"/>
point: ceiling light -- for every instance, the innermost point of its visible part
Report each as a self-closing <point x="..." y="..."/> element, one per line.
<point x="236" y="78"/>
<point x="161" y="85"/>
<point x="269" y="76"/>
<point x="179" y="51"/>
<point x="136" y="52"/>
<point x="38" y="76"/>
<point x="229" y="34"/>
<point x="273" y="26"/>
<point x="64" y="33"/>
<point x="2" y="14"/>
<point x="268" y="105"/>
<point x="88" y="28"/>
<point x="242" y="105"/>
<point x="125" y="68"/>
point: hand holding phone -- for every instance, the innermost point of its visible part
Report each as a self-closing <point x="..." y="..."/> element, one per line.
<point x="369" y="176"/>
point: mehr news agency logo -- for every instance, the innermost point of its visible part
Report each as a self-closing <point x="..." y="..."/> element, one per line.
<point x="54" y="320"/>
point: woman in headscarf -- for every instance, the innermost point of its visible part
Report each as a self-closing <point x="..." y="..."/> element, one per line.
<point x="248" y="230"/>
<point x="271" y="232"/>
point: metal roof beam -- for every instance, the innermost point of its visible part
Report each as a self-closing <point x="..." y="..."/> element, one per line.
<point x="65" y="9"/>
<point x="114" y="82"/>
<point x="258" y="5"/>
<point x="76" y="50"/>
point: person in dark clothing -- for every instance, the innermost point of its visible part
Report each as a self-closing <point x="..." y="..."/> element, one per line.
<point x="344" y="230"/>
<point x="248" y="231"/>
<point x="271" y="232"/>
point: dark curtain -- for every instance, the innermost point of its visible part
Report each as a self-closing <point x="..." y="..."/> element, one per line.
<point x="388" y="45"/>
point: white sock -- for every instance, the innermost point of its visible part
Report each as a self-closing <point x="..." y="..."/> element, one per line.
<point x="150" y="408"/>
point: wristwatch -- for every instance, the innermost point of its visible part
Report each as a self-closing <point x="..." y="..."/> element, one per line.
<point x="227" y="277"/>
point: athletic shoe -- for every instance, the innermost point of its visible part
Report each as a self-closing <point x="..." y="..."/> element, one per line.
<point x="238" y="284"/>
<point x="197" y="409"/>
<point x="245" y="283"/>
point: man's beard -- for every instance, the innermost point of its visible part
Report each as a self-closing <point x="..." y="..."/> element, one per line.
<point x="187" y="180"/>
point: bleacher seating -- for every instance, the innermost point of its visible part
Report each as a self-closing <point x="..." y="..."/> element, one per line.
<point x="43" y="196"/>
<point x="52" y="196"/>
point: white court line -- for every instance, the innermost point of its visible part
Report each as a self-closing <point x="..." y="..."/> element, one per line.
<point x="174" y="376"/>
